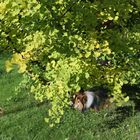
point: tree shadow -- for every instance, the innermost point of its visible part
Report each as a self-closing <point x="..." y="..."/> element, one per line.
<point x="134" y="94"/>
<point x="118" y="116"/>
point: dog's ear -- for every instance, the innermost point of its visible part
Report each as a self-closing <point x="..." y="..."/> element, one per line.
<point x="78" y="93"/>
<point x="81" y="90"/>
<point x="75" y="95"/>
<point x="84" y="99"/>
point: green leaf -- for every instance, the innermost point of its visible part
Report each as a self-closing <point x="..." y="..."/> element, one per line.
<point x="87" y="55"/>
<point x="126" y="99"/>
<point x="9" y="66"/>
<point x="87" y="75"/>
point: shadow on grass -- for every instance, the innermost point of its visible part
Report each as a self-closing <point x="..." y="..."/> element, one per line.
<point x="134" y="93"/>
<point x="121" y="113"/>
<point x="21" y="102"/>
<point x="118" y="116"/>
<point x="19" y="108"/>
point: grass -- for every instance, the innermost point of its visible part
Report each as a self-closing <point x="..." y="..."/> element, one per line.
<point x="24" y="118"/>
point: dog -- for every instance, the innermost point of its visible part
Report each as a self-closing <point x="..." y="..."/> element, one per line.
<point x="96" y="100"/>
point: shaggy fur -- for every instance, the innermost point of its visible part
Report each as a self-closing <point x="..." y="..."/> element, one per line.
<point x="89" y="99"/>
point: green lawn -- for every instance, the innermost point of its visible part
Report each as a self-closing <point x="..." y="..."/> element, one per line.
<point x="24" y="118"/>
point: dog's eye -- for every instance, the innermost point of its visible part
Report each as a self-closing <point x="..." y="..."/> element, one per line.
<point x="78" y="101"/>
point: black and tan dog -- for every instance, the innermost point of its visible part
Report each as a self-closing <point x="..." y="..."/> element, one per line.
<point x="96" y="100"/>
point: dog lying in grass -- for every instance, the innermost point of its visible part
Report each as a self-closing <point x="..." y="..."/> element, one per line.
<point x="96" y="100"/>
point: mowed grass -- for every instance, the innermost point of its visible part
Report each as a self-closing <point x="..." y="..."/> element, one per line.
<point x="23" y="118"/>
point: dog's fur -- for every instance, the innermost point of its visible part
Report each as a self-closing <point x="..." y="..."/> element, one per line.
<point x="96" y="100"/>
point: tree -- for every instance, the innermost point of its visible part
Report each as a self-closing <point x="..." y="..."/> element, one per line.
<point x="64" y="45"/>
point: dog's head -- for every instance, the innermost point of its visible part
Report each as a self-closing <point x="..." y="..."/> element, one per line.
<point x="79" y="101"/>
